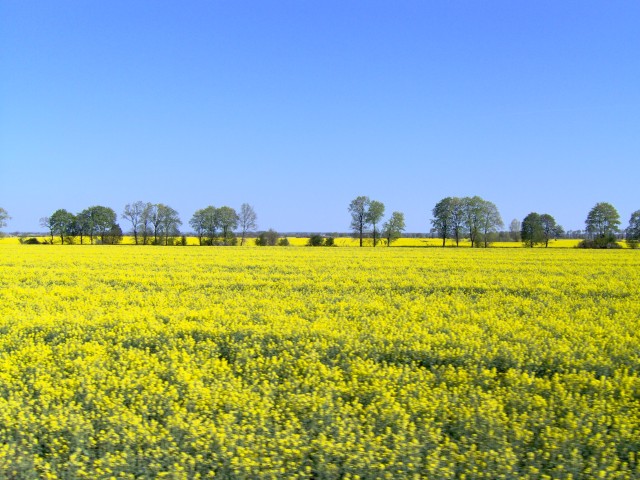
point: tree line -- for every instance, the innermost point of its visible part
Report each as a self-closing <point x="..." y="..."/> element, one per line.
<point x="453" y="218"/>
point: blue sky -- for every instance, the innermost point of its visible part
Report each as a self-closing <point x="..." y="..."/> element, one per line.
<point x="298" y="107"/>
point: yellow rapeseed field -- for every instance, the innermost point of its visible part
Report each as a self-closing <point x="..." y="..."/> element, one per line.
<point x="318" y="363"/>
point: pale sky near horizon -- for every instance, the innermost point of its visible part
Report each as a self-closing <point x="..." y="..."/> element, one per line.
<point x="298" y="107"/>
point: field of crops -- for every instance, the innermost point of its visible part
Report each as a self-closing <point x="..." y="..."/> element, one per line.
<point x="185" y="362"/>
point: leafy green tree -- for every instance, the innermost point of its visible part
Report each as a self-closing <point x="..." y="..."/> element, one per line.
<point x="63" y="224"/>
<point x="205" y="223"/>
<point x="490" y="221"/>
<point x="472" y="213"/>
<point x="531" y="230"/>
<point x="359" y="208"/>
<point x="633" y="230"/>
<point x="315" y="241"/>
<point x="169" y="222"/>
<point x="443" y="218"/>
<point x="96" y="221"/>
<point x="228" y="221"/>
<point x="393" y="228"/>
<point x="114" y="235"/>
<point x="375" y="212"/>
<point x="550" y="228"/>
<point x="267" y="239"/>
<point x="602" y="223"/>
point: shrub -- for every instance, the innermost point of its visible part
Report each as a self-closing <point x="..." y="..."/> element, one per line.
<point x="315" y="241"/>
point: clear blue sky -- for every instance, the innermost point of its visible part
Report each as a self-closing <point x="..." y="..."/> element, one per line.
<point x="297" y="107"/>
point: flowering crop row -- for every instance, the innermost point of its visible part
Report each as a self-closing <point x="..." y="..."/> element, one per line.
<point x="318" y="363"/>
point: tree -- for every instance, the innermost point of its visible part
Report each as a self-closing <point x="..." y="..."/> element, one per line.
<point x="490" y="221"/>
<point x="104" y="219"/>
<point x="550" y="229"/>
<point x="114" y="235"/>
<point x="247" y="220"/>
<point x="45" y="222"/>
<point x="472" y="214"/>
<point x="393" y="228"/>
<point x="155" y="220"/>
<point x="375" y="212"/>
<point x="359" y="216"/>
<point x="531" y="230"/>
<point x="315" y="241"/>
<point x="514" y="230"/>
<point x="268" y="238"/>
<point x="205" y="223"/>
<point x="228" y="220"/>
<point x="133" y="213"/>
<point x="96" y="221"/>
<point x="633" y="230"/>
<point x="145" y="221"/>
<point x="603" y="222"/>
<point x="168" y="222"/>
<point x="4" y="216"/>
<point x="442" y="219"/>
<point x="62" y="224"/>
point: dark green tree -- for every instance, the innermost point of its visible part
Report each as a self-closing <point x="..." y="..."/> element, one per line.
<point x="375" y="212"/>
<point x="531" y="231"/>
<point x="358" y="208"/>
<point x="443" y="218"/>
<point x="63" y="225"/>
<point x="393" y="228"/>
<point x="633" y="230"/>
<point x="550" y="228"/>
<point x="228" y="221"/>
<point x="602" y="224"/>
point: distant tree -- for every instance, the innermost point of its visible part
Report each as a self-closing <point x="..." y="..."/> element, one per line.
<point x="169" y="222"/>
<point x="205" y="223"/>
<point x="359" y="216"/>
<point x="375" y="212"/>
<point x="267" y="239"/>
<point x="247" y="220"/>
<point x="393" y="228"/>
<point x="133" y="213"/>
<point x="45" y="222"/>
<point x="633" y="230"/>
<point x="514" y="230"/>
<point x="315" y="241"/>
<point x="104" y="219"/>
<point x="443" y="218"/>
<point x="602" y="224"/>
<point x="154" y="216"/>
<point x="283" y="242"/>
<point x="228" y="221"/>
<point x="4" y="216"/>
<point x="96" y="221"/>
<point x="550" y="228"/>
<point x="147" y="214"/>
<point x="490" y="221"/>
<point x="329" y="242"/>
<point x="472" y="213"/>
<point x="531" y="231"/>
<point x="114" y="235"/>
<point x="63" y="224"/>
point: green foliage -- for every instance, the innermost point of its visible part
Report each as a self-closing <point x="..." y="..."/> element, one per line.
<point x="315" y="241"/>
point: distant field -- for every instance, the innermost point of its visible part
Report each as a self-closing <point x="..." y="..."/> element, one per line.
<point x="319" y="363"/>
<point x="344" y="242"/>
